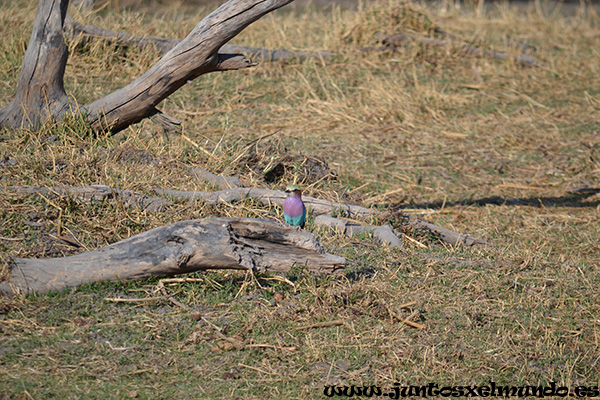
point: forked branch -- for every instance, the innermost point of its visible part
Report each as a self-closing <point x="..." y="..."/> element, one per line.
<point x="41" y="95"/>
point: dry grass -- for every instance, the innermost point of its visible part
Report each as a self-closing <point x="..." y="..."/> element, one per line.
<point x="471" y="143"/>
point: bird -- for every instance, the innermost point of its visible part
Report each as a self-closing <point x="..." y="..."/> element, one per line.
<point x="294" y="210"/>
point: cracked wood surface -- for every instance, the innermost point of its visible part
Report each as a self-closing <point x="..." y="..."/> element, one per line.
<point x="182" y="247"/>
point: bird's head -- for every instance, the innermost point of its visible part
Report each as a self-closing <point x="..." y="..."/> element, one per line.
<point x="292" y="189"/>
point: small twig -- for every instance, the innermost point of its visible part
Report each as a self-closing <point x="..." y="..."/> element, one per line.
<point x="163" y="290"/>
<point x="29" y="396"/>
<point x="257" y="369"/>
<point x="140" y="300"/>
<point x="270" y="346"/>
<point x="415" y="241"/>
<point x="215" y="327"/>
<point x="116" y="348"/>
<point x="182" y="280"/>
<point x="11" y="239"/>
<point x="406" y="305"/>
<point x="281" y="279"/>
<point x="408" y="322"/>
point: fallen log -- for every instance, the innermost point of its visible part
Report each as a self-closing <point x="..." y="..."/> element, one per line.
<point x="384" y="233"/>
<point x="179" y="248"/>
<point x="128" y="198"/>
<point x="223" y="182"/>
<point x="267" y="197"/>
<point x="321" y="208"/>
<point x="397" y="40"/>
<point x="318" y="207"/>
<point x="85" y="33"/>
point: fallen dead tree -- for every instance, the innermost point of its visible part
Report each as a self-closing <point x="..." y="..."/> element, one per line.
<point x="217" y="243"/>
<point x="41" y="94"/>
<point x="400" y="39"/>
<point x="318" y="207"/>
<point x="100" y="193"/>
<point x="267" y="197"/>
<point x="179" y="248"/>
<point x="232" y="190"/>
<point x="86" y="33"/>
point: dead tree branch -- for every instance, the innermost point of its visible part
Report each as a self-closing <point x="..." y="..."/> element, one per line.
<point x="85" y="32"/>
<point x="179" y="248"/>
<point x="267" y="197"/>
<point x="193" y="56"/>
<point x="384" y="233"/>
<point x="397" y="40"/>
<point x="100" y="193"/>
<point x="223" y="182"/>
<point x="40" y="91"/>
<point x="318" y="207"/>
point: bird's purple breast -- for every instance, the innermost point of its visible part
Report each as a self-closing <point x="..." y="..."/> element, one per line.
<point x="293" y="206"/>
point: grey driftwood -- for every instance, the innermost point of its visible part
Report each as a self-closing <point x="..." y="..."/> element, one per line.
<point x="267" y="197"/>
<point x="179" y="248"/>
<point x="318" y="207"/>
<point x="86" y="32"/>
<point x="41" y="95"/>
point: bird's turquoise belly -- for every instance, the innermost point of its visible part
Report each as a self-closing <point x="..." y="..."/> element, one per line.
<point x="300" y="220"/>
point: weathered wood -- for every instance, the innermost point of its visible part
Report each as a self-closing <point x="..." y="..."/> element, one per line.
<point x="318" y="207"/>
<point x="195" y="55"/>
<point x="163" y="45"/>
<point x="223" y="182"/>
<point x="182" y="247"/>
<point x="40" y="90"/>
<point x="267" y="197"/>
<point x="397" y="40"/>
<point x="264" y="196"/>
<point x="384" y="233"/>
<point x="128" y="198"/>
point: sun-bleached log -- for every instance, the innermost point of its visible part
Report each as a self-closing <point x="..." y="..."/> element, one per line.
<point x="100" y="193"/>
<point x="179" y="248"/>
<point x="164" y="45"/>
<point x="384" y="233"/>
<point x="318" y="207"/>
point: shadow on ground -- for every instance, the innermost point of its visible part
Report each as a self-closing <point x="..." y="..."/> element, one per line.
<point x="576" y="199"/>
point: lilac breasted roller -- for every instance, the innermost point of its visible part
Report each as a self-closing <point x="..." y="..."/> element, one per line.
<point x="294" y="210"/>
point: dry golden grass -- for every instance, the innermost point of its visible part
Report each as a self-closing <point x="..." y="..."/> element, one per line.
<point x="474" y="144"/>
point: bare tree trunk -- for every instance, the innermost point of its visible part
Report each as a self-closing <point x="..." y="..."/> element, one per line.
<point x="41" y="95"/>
<point x="40" y="90"/>
<point x="182" y="247"/>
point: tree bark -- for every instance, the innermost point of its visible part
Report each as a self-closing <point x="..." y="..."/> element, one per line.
<point x="40" y="90"/>
<point x="99" y="193"/>
<point x="384" y="233"/>
<point x="319" y="206"/>
<point x="41" y="95"/>
<point x="182" y="247"/>
<point x="265" y="196"/>
<point x="195" y="55"/>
